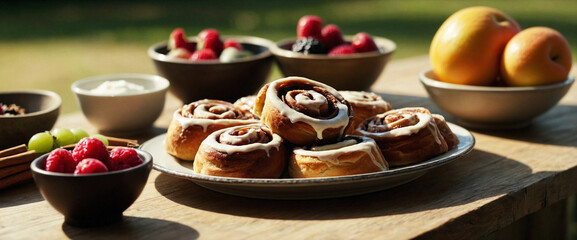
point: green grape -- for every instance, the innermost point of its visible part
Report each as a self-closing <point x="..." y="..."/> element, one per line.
<point x="102" y="138"/>
<point x="79" y="134"/>
<point x="41" y="142"/>
<point x="63" y="137"/>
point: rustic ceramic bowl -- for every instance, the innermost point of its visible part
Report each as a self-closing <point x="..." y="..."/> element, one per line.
<point x="493" y="107"/>
<point x="346" y="72"/>
<point x="42" y="110"/>
<point x="89" y="200"/>
<point x="121" y="114"/>
<point x="195" y="80"/>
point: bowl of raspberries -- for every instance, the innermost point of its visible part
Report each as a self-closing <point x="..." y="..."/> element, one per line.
<point x="210" y="65"/>
<point x="321" y="52"/>
<point x="92" y="184"/>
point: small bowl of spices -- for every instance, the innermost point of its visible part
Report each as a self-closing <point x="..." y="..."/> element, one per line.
<point x="26" y="112"/>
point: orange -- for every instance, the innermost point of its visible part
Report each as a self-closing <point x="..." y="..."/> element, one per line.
<point x="467" y="48"/>
<point x="536" y="56"/>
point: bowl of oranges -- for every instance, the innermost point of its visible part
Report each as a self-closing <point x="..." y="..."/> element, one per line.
<point x="495" y="74"/>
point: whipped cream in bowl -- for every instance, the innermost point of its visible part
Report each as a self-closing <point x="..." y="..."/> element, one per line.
<point x="121" y="103"/>
<point x="118" y="87"/>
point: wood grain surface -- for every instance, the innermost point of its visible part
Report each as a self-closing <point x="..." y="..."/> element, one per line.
<point x="510" y="174"/>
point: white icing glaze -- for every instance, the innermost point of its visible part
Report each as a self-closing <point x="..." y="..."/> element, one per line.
<point x="204" y="123"/>
<point x="435" y="131"/>
<point x="218" y="111"/>
<point x="212" y="140"/>
<point x="250" y="136"/>
<point x="246" y="103"/>
<point x="319" y="125"/>
<point x="364" y="99"/>
<point x="331" y="153"/>
<point x="424" y="120"/>
<point x="337" y="145"/>
<point x="314" y="102"/>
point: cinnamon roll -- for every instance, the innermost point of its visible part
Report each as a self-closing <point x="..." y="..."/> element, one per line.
<point x="302" y="111"/>
<point x="193" y="122"/>
<point x="405" y="136"/>
<point x="352" y="155"/>
<point x="246" y="103"/>
<point x="248" y="151"/>
<point x="449" y="136"/>
<point x="364" y="105"/>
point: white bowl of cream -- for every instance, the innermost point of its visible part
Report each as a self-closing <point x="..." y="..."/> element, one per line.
<point x="121" y="103"/>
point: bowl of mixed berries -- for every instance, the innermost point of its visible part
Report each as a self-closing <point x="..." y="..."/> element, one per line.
<point x="92" y="184"/>
<point x="321" y="52"/>
<point x="211" y="65"/>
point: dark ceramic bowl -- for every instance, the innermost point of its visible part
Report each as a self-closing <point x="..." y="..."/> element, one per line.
<point x="345" y="72"/>
<point x="196" y="80"/>
<point x="90" y="200"/>
<point x="42" y="110"/>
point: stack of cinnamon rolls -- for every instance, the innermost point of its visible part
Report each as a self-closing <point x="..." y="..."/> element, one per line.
<point x="300" y="128"/>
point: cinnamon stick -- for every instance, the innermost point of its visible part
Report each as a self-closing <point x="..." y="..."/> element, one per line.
<point x="115" y="141"/>
<point x="15" y="178"/>
<point x="13" y="150"/>
<point x="10" y="170"/>
<point x="24" y="157"/>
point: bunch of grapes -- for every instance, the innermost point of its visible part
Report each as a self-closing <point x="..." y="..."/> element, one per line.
<point x="46" y="141"/>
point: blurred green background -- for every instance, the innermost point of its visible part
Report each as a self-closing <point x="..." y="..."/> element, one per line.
<point x="50" y="44"/>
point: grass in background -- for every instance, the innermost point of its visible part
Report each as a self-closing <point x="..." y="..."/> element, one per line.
<point x="49" y="45"/>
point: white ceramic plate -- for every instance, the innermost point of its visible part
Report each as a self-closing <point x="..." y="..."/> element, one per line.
<point x="309" y="188"/>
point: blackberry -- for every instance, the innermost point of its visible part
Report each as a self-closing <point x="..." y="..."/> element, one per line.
<point x="309" y="46"/>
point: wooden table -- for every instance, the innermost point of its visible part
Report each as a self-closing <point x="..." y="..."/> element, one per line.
<point x="510" y="182"/>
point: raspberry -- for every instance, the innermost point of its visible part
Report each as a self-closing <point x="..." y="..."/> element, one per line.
<point x="363" y="42"/>
<point x="209" y="32"/>
<point x="122" y="158"/>
<point x="213" y="43"/>
<point x="90" y="165"/>
<point x="210" y="39"/>
<point x="342" y="50"/>
<point x="60" y="160"/>
<point x="309" y="46"/>
<point x="331" y="36"/>
<point x="90" y="147"/>
<point x="309" y="26"/>
<point x="232" y="43"/>
<point x="203" y="54"/>
<point x="178" y="40"/>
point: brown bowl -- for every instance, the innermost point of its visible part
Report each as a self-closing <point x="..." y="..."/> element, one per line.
<point x="42" y="110"/>
<point x="89" y="200"/>
<point x="345" y="72"/>
<point x="196" y="80"/>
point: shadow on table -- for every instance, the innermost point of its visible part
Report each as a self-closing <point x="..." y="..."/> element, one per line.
<point x="134" y="228"/>
<point x="27" y="188"/>
<point x="447" y="186"/>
